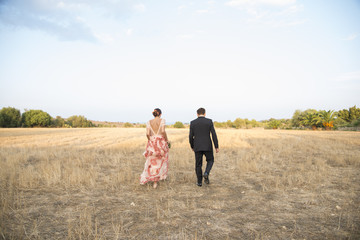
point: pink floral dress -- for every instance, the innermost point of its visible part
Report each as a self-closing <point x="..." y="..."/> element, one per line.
<point x="156" y="154"/>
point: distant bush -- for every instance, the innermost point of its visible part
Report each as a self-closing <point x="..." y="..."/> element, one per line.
<point x="128" y="125"/>
<point x="58" y="122"/>
<point x="36" y="118"/>
<point x="10" y="117"/>
<point x="297" y="118"/>
<point x="229" y="124"/>
<point x="238" y="123"/>
<point x="179" y="125"/>
<point x="355" y="123"/>
<point x="219" y="124"/>
<point x="274" y="124"/>
<point x="79" y="122"/>
<point x="309" y="118"/>
<point x="349" y="115"/>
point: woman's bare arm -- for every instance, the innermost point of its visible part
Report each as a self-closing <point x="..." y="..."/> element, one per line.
<point x="163" y="132"/>
<point x="165" y="136"/>
<point x="148" y="131"/>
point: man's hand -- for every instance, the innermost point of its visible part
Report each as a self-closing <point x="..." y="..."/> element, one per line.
<point x="217" y="150"/>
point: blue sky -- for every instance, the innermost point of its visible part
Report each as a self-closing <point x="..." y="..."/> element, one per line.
<point x="116" y="60"/>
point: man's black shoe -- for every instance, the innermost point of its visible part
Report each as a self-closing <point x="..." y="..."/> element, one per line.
<point x="206" y="177"/>
<point x="199" y="184"/>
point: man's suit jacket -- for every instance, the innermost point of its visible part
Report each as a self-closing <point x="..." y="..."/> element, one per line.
<point x="199" y="136"/>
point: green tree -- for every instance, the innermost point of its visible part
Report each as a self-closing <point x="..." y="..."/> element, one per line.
<point x="356" y="123"/>
<point x="354" y="113"/>
<point x="219" y="124"/>
<point x="10" y="117"/>
<point x="179" y="125"/>
<point x="311" y="119"/>
<point x="239" y="123"/>
<point x="254" y="123"/>
<point x="79" y="122"/>
<point x="36" y="118"/>
<point x="274" y="124"/>
<point x="296" y="118"/>
<point x="128" y="125"/>
<point x="285" y="123"/>
<point x="59" y="122"/>
<point x="229" y="124"/>
<point x="248" y="123"/>
<point x="350" y="114"/>
<point x="327" y="118"/>
<point x="339" y="122"/>
<point x="344" y="115"/>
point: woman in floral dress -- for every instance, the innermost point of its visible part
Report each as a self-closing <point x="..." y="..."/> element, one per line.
<point x="157" y="151"/>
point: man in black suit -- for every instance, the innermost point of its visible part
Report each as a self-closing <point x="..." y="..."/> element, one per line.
<point x="201" y="144"/>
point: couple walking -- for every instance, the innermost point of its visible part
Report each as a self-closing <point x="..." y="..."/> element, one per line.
<point x="157" y="148"/>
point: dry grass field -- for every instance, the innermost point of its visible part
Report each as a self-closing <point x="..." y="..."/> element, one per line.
<point x="265" y="184"/>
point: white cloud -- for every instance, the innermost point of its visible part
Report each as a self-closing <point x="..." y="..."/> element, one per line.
<point x="185" y="36"/>
<point x="277" y="2"/>
<point x="236" y="3"/>
<point x="257" y="13"/>
<point x="292" y="10"/>
<point x="140" y="7"/>
<point x="80" y="19"/>
<point x="68" y="20"/>
<point x="60" y="4"/>
<point x="129" y="32"/>
<point x="274" y="13"/>
<point x="298" y="22"/>
<point x="202" y="11"/>
<point x="285" y="23"/>
<point x="104" y="38"/>
<point x="350" y="76"/>
<point x="351" y="37"/>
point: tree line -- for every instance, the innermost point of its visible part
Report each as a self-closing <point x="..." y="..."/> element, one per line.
<point x="11" y="117"/>
<point x="318" y="119"/>
<point x="238" y="123"/>
<point x="309" y="119"/>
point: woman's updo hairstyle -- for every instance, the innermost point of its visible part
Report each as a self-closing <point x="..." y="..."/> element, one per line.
<point x="156" y="112"/>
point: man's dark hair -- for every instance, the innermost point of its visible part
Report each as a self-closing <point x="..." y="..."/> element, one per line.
<point x="201" y="111"/>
